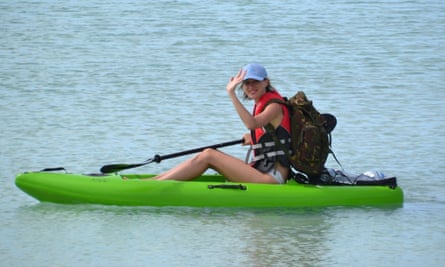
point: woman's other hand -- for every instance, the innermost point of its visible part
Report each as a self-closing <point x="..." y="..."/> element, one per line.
<point x="247" y="139"/>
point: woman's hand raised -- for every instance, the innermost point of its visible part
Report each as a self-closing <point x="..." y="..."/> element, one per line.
<point x="234" y="81"/>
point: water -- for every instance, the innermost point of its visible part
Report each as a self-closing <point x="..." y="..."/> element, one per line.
<point x="86" y="83"/>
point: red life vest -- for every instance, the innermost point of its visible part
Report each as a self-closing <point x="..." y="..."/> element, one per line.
<point x="266" y="154"/>
<point x="261" y="105"/>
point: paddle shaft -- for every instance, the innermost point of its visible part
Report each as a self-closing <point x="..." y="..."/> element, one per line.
<point x="158" y="158"/>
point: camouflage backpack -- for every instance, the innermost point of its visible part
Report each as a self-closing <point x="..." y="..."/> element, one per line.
<point x="310" y="137"/>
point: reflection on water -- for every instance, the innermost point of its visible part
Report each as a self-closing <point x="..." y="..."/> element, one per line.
<point x="242" y="237"/>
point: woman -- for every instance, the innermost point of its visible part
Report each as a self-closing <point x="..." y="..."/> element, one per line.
<point x="270" y="164"/>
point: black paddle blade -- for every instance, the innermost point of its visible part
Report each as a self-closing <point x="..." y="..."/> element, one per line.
<point x="119" y="167"/>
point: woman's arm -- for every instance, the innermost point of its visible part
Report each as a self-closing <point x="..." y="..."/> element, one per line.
<point x="270" y="114"/>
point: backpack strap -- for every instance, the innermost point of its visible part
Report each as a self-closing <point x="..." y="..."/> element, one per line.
<point x="333" y="154"/>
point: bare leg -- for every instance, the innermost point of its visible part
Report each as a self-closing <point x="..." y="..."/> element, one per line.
<point x="232" y="168"/>
<point x="187" y="170"/>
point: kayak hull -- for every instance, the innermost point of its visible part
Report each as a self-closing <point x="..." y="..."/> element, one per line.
<point x="206" y="191"/>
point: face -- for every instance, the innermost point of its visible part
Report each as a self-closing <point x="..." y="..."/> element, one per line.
<point x="254" y="89"/>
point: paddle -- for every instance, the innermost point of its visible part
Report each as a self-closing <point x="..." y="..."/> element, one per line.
<point x="158" y="158"/>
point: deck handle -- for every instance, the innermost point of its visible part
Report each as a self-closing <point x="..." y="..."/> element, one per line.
<point x="228" y="186"/>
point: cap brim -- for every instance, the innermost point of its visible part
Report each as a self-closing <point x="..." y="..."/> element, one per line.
<point x="253" y="77"/>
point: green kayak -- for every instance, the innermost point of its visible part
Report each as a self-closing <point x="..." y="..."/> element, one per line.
<point x="206" y="191"/>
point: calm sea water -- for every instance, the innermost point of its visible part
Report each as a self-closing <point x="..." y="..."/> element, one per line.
<point x="86" y="83"/>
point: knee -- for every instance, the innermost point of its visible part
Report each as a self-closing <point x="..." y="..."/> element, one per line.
<point x="206" y="155"/>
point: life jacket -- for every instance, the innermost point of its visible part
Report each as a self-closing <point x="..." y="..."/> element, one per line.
<point x="266" y="153"/>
